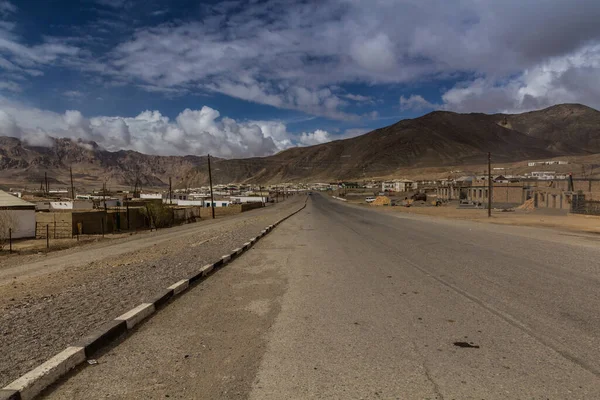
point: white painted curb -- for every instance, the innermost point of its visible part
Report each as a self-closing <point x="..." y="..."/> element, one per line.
<point x="206" y="269"/>
<point x="36" y="380"/>
<point x="179" y="286"/>
<point x="136" y="315"/>
<point x="226" y="259"/>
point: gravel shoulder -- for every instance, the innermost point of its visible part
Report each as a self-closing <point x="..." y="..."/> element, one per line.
<point x="44" y="309"/>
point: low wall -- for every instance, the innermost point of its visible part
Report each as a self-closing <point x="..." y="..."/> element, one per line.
<point x="68" y="223"/>
<point x="59" y="225"/>
<point x="205" y="212"/>
<point x="251" y="206"/>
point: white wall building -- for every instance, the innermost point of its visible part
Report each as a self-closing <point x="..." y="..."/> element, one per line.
<point x="156" y="196"/>
<point x="398" y="185"/>
<point x="72" y="205"/>
<point x="544" y="175"/>
<point x="217" y="203"/>
<point x="247" y="199"/>
<point x="19" y="211"/>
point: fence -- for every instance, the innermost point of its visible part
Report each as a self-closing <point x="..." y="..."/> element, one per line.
<point x="579" y="205"/>
<point x="68" y="224"/>
<point x="53" y="225"/>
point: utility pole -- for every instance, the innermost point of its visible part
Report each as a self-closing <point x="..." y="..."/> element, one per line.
<point x="212" y="200"/>
<point x="171" y="191"/>
<point x="261" y="194"/>
<point x="104" y="198"/>
<point x="489" y="185"/>
<point x="46" y="180"/>
<point x="72" y="187"/>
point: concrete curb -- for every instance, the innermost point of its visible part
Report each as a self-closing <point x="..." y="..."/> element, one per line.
<point x="31" y="384"/>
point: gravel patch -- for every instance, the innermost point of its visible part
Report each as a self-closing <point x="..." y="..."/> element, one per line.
<point x="42" y="315"/>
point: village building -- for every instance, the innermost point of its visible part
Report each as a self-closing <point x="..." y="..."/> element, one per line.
<point x="19" y="215"/>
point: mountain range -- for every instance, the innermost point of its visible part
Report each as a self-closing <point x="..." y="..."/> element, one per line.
<point x="437" y="139"/>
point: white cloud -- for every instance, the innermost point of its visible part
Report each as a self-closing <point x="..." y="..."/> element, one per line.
<point x="358" y="98"/>
<point x="112" y="3"/>
<point x="191" y="132"/>
<point x="74" y="94"/>
<point x="10" y="86"/>
<point x="321" y="136"/>
<point x="317" y="137"/>
<point x="574" y="78"/>
<point x="349" y="133"/>
<point x="416" y="103"/>
<point x="296" y="55"/>
<point x="23" y="60"/>
<point x="6" y="7"/>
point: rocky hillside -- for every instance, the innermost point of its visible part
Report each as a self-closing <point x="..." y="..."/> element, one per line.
<point x="91" y="165"/>
<point x="565" y="125"/>
<point x="436" y="139"/>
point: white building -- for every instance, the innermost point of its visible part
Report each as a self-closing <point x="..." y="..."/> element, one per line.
<point x="71" y="205"/>
<point x="155" y="196"/>
<point x="544" y="175"/>
<point x="197" y="203"/>
<point x="247" y="199"/>
<point x="217" y="203"/>
<point x="398" y="185"/>
<point x="21" y="214"/>
<point x="553" y="162"/>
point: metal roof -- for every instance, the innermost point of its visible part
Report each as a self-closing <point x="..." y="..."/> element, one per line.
<point x="10" y="201"/>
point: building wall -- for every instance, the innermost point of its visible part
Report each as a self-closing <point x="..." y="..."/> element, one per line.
<point x="205" y="212"/>
<point x="72" y="205"/>
<point x="24" y="223"/>
<point x="59" y="224"/>
<point x="151" y="196"/>
<point x="247" y="199"/>
<point x="197" y="203"/>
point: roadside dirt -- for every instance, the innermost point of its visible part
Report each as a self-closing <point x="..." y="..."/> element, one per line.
<point x="42" y="312"/>
<point x="536" y="218"/>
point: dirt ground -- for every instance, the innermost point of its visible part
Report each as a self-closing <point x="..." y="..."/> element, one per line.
<point x="537" y="218"/>
<point x="49" y="300"/>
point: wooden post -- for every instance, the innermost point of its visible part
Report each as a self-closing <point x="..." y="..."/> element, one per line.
<point x="9" y="240"/>
<point x="212" y="200"/>
<point x="72" y="187"/>
<point x="489" y="185"/>
<point x="47" y="236"/>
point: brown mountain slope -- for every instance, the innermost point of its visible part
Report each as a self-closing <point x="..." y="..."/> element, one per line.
<point x="91" y="165"/>
<point x="436" y="139"/>
<point x="564" y="125"/>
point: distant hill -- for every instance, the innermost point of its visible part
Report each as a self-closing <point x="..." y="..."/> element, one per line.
<point x="91" y="165"/>
<point x="437" y="139"/>
<point x="565" y="125"/>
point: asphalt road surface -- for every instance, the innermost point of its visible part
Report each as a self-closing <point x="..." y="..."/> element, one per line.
<point x="347" y="303"/>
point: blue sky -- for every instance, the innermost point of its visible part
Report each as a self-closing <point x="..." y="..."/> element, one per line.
<point x="245" y="78"/>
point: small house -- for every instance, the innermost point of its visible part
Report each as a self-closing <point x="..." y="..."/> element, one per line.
<point x="17" y="214"/>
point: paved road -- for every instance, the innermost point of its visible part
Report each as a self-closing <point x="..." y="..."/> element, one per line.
<point x="347" y="303"/>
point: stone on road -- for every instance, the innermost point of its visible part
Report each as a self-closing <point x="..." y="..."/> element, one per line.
<point x="340" y="302"/>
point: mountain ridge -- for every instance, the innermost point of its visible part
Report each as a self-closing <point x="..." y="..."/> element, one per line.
<point x="439" y="138"/>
